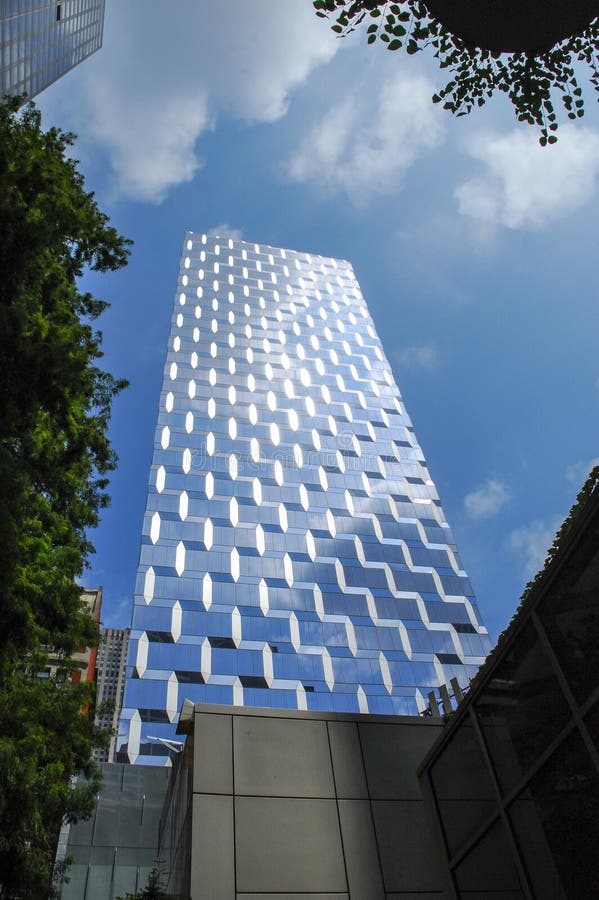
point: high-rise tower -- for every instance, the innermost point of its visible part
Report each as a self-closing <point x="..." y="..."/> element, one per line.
<point x="294" y="550"/>
<point x="40" y="40"/>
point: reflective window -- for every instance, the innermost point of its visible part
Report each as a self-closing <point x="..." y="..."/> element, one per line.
<point x="522" y="708"/>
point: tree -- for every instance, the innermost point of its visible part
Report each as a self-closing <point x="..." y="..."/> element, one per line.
<point x="529" y="75"/>
<point x="152" y="891"/>
<point x="55" y="405"/>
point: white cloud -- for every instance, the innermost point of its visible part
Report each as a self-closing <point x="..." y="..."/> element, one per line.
<point x="225" y="231"/>
<point x="364" y="145"/>
<point x="161" y="80"/>
<point x="524" y="185"/>
<point x="487" y="500"/>
<point x="578" y="472"/>
<point x="422" y="356"/>
<point x="532" y="542"/>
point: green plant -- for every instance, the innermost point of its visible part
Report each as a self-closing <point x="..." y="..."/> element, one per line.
<point x="152" y="891"/>
<point x="55" y="405"/>
<point x="530" y="80"/>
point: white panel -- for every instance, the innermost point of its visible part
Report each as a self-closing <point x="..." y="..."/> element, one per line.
<point x="183" y="506"/>
<point x="386" y="672"/>
<point x="318" y="604"/>
<point x="267" y="666"/>
<point x="134" y="739"/>
<point x="294" y="632"/>
<point x="160" y="479"/>
<point x="237" y="693"/>
<point x="331" y="523"/>
<point x="236" y="627"/>
<point x="362" y="700"/>
<point x="176" y="621"/>
<point x="207" y="591"/>
<point x="141" y="660"/>
<point x="149" y="585"/>
<point x="351" y="636"/>
<point x="155" y="527"/>
<point x="283" y="519"/>
<point x="263" y="593"/>
<point x="189" y="422"/>
<point x="235" y="569"/>
<point x="172" y="697"/>
<point x="327" y="666"/>
<point x="209" y="485"/>
<point x="208" y="534"/>
<point x="322" y="477"/>
<point x="170" y="399"/>
<point x="186" y="462"/>
<point x="300" y="693"/>
<point x="180" y="558"/>
<point x="165" y="437"/>
<point x="288" y="567"/>
<point x="278" y="472"/>
<point x="206" y="659"/>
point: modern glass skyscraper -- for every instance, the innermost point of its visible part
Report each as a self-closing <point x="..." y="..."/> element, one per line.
<point x="294" y="550"/>
<point x="41" y="40"/>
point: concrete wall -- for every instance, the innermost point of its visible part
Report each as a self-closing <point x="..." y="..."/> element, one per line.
<point x="279" y="804"/>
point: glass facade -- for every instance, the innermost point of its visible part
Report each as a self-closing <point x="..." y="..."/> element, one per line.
<point x="294" y="550"/>
<point x="41" y="40"/>
<point x="514" y="780"/>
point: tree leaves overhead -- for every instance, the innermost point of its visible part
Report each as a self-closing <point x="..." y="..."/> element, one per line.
<point x="530" y="80"/>
<point x="54" y="399"/>
<point x="55" y="404"/>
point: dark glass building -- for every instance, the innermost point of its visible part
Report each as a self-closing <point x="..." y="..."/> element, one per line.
<point x="294" y="551"/>
<point x="513" y="782"/>
<point x="41" y="40"/>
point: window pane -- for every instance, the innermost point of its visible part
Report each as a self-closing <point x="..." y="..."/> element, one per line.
<point x="570" y="616"/>
<point x="463" y="787"/>
<point x="489" y="867"/>
<point x="522" y="709"/>
<point x="556" y="824"/>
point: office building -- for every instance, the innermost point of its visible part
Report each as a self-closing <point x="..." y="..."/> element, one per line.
<point x="41" y="40"/>
<point x="294" y="553"/>
<point x="512" y="783"/>
<point x="110" y="683"/>
<point x="84" y="659"/>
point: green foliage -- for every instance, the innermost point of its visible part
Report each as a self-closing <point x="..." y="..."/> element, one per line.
<point x="530" y="80"/>
<point x="152" y="891"/>
<point x="44" y="740"/>
<point x="54" y="458"/>
<point x="589" y="487"/>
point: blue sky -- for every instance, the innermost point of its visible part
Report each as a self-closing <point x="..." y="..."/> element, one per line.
<point x="475" y="249"/>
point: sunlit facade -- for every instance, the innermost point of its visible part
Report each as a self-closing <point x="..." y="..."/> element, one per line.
<point x="294" y="550"/>
<point x="41" y="40"/>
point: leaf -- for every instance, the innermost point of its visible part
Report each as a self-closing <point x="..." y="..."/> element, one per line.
<point x="394" y="45"/>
